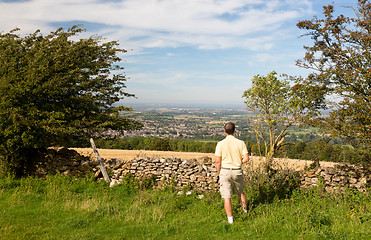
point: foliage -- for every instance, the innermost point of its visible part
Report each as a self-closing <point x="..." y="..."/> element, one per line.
<point x="341" y="59"/>
<point x="277" y="106"/>
<point x="61" y="207"/>
<point x="55" y="89"/>
<point x="157" y="144"/>
<point x="324" y="150"/>
<point x="266" y="186"/>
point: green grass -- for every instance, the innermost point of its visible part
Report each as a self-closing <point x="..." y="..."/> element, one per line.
<point x="68" y="208"/>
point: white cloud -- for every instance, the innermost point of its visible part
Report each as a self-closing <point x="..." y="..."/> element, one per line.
<point x="250" y="29"/>
<point x="206" y="24"/>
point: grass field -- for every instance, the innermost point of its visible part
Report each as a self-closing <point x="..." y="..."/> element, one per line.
<point x="131" y="154"/>
<point x="67" y="208"/>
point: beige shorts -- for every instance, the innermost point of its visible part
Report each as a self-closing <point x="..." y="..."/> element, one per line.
<point x="231" y="182"/>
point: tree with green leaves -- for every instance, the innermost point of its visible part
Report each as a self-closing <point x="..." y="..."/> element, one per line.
<point x="277" y="106"/>
<point x="341" y="60"/>
<point x="55" y="89"/>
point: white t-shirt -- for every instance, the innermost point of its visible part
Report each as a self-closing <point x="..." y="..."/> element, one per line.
<point x="231" y="150"/>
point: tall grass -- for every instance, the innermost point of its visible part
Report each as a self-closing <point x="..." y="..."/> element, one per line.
<point x="67" y="208"/>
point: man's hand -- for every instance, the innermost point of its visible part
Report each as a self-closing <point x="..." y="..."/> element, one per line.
<point x="245" y="158"/>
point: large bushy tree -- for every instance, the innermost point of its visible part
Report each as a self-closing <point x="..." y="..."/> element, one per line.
<point x="55" y="88"/>
<point x="341" y="59"/>
<point x="277" y="106"/>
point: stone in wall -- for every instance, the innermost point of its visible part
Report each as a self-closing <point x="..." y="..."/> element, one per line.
<point x="63" y="161"/>
<point x="338" y="177"/>
<point x="197" y="174"/>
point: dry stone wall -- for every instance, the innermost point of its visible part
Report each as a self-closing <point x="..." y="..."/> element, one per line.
<point x="202" y="175"/>
<point x="62" y="161"/>
<point x="198" y="174"/>
<point x="338" y="177"/>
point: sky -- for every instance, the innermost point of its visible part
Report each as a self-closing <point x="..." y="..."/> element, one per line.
<point x="184" y="52"/>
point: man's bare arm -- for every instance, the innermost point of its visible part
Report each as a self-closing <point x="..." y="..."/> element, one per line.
<point x="218" y="163"/>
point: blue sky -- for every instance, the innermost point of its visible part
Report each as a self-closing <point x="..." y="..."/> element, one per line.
<point x="184" y="52"/>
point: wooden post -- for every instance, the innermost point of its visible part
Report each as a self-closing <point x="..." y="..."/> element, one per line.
<point x="102" y="168"/>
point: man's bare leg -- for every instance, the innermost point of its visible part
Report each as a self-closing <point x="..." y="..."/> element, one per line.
<point x="243" y="201"/>
<point x="228" y="209"/>
<point x="228" y="206"/>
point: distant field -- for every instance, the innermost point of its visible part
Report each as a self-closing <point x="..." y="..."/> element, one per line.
<point x="128" y="155"/>
<point x="131" y="154"/>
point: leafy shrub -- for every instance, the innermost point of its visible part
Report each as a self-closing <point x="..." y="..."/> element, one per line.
<point x="264" y="185"/>
<point x="325" y="150"/>
<point x="54" y="89"/>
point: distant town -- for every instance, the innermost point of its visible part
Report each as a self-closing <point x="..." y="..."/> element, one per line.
<point x="191" y="123"/>
<point x="199" y="124"/>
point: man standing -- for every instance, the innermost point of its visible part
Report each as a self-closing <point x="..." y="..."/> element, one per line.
<point x="230" y="153"/>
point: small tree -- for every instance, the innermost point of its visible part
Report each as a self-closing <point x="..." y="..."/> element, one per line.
<point x="54" y="89"/>
<point x="277" y="106"/>
<point x="341" y="60"/>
